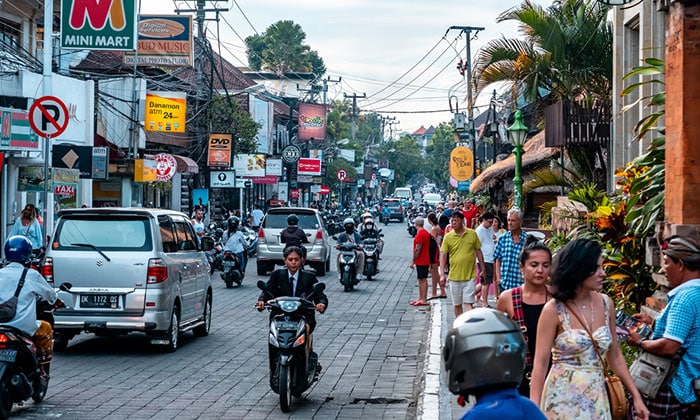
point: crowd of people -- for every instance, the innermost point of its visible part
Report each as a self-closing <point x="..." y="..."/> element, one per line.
<point x="568" y="325"/>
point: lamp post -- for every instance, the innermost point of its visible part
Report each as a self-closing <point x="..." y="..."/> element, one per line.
<point x="517" y="133"/>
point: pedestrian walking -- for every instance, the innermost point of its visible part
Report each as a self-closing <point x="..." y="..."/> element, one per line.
<point x="576" y="329"/>
<point x="510" y="245"/>
<point x="258" y="215"/>
<point x="488" y="246"/>
<point x="462" y="247"/>
<point x="498" y="227"/>
<point x="421" y="261"/>
<point x="198" y="223"/>
<point x="436" y="235"/>
<point x="28" y="225"/>
<point x="525" y="303"/>
<point x="676" y="331"/>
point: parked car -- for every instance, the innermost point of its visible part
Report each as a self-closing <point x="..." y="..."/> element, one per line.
<point x="396" y="208"/>
<point x="129" y="269"/>
<point x="270" y="249"/>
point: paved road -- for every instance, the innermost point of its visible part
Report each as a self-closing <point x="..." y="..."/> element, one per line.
<point x="371" y="344"/>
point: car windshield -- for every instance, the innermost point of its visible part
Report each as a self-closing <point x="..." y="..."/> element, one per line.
<point x="392" y="204"/>
<point x="279" y="221"/>
<point x="104" y="233"/>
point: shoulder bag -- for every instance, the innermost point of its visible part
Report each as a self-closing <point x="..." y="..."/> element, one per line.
<point x="650" y="372"/>
<point x="613" y="384"/>
<point x="8" y="309"/>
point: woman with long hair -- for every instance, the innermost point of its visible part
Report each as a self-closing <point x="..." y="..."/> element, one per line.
<point x="525" y="303"/>
<point x="436" y="234"/>
<point x="576" y="330"/>
<point x="27" y="225"/>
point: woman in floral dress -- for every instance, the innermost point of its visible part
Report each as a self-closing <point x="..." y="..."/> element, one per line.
<point x="575" y="385"/>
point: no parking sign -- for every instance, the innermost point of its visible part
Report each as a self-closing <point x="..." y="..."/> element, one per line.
<point x="48" y="116"/>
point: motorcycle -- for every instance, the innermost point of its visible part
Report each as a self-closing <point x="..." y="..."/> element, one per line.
<point x="385" y="219"/>
<point x="293" y="365"/>
<point x="347" y="266"/>
<point x="231" y="269"/>
<point x="251" y="238"/>
<point x="20" y="375"/>
<point x="215" y="255"/>
<point x="369" y="247"/>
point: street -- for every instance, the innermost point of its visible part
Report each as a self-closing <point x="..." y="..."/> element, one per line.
<point x="371" y="344"/>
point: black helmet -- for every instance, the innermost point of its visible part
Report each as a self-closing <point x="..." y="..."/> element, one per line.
<point x="18" y="249"/>
<point x="292" y="220"/>
<point x="233" y="222"/>
<point x="484" y="350"/>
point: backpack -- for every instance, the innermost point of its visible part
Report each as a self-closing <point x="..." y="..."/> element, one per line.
<point x="8" y="309"/>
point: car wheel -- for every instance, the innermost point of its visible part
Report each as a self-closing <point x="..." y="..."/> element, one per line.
<point x="203" y="330"/>
<point x="173" y="334"/>
<point x="262" y="268"/>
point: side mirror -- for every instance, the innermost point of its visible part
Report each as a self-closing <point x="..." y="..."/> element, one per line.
<point x="319" y="288"/>
<point x="262" y="285"/>
<point x="335" y="237"/>
<point x="65" y="287"/>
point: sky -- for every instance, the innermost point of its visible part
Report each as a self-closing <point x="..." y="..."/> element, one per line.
<point x="399" y="53"/>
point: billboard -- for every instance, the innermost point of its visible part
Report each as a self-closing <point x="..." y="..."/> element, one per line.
<point x="98" y="25"/>
<point x="220" y="150"/>
<point x="262" y="114"/>
<point x="163" y="41"/>
<point x="307" y="166"/>
<point x="165" y="111"/>
<point x="15" y="132"/>
<point x="249" y="165"/>
<point x="312" y="122"/>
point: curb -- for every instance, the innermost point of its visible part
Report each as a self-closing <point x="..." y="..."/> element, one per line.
<point x="429" y="401"/>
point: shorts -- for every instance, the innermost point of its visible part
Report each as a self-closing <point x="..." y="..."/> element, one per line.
<point x="462" y="291"/>
<point x="488" y="274"/>
<point x="422" y="271"/>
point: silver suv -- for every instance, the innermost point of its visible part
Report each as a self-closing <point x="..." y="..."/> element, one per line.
<point x="120" y="270"/>
<point x="270" y="249"/>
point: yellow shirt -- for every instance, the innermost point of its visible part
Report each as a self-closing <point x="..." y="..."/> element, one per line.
<point x="461" y="250"/>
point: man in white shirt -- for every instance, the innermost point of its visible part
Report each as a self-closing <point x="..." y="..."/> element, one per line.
<point x="488" y="245"/>
<point x="258" y="215"/>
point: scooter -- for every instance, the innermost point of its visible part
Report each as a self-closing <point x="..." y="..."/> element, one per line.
<point x="215" y="255"/>
<point x="20" y="375"/>
<point x="385" y="219"/>
<point x="232" y="269"/>
<point x="348" y="265"/>
<point x="293" y="365"/>
<point x="369" y="247"/>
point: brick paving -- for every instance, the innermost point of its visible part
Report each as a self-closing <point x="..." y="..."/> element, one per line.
<point x="370" y="342"/>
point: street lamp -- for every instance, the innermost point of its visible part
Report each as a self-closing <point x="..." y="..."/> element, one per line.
<point x="517" y="133"/>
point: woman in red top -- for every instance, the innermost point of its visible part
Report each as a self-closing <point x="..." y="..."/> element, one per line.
<point x="421" y="260"/>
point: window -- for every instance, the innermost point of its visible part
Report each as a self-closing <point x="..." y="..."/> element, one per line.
<point x="167" y="234"/>
<point x="185" y="235"/>
<point x="9" y="34"/>
<point x="279" y="220"/>
<point x="107" y="234"/>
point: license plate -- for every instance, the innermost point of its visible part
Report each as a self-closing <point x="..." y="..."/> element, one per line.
<point x="7" y="355"/>
<point x="99" y="301"/>
<point x="229" y="263"/>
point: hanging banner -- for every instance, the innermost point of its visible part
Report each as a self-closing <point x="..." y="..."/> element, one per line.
<point x="163" y="41"/>
<point x="312" y="122"/>
<point x="461" y="163"/>
<point x="220" y="150"/>
<point x="98" y="25"/>
<point x="262" y="113"/>
<point x="15" y="131"/>
<point x="165" y="111"/>
<point x="249" y="165"/>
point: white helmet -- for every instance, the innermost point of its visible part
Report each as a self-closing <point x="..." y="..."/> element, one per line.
<point x="366" y="215"/>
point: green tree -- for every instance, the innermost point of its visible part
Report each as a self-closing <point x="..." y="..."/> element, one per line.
<point x="404" y="157"/>
<point x="281" y="49"/>
<point x="438" y="155"/>
<point x="226" y="115"/>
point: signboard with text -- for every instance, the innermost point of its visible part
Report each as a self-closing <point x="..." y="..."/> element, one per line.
<point x="163" y="41"/>
<point x="15" y="132"/>
<point x="249" y="165"/>
<point x="220" y="149"/>
<point x="312" y="122"/>
<point x="307" y="166"/>
<point x="98" y="25"/>
<point x="166" y="111"/>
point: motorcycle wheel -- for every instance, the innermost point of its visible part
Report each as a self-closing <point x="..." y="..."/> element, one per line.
<point x="228" y="279"/>
<point x="40" y="393"/>
<point x="237" y="277"/>
<point x="285" y="389"/>
<point x="347" y="282"/>
<point x="5" y="398"/>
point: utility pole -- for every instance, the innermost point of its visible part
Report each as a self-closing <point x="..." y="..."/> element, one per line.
<point x="326" y="81"/>
<point x="391" y="127"/>
<point x="385" y="121"/>
<point x="354" y="97"/>
<point x="467" y="30"/>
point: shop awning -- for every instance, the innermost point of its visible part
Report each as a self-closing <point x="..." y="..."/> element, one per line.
<point x="186" y="165"/>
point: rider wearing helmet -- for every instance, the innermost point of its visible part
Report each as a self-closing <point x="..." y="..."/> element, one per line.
<point x="234" y="241"/>
<point x="293" y="235"/>
<point x="18" y="250"/>
<point x="484" y="356"/>
<point x="369" y="230"/>
<point x="349" y="235"/>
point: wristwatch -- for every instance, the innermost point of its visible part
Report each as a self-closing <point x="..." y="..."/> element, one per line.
<point x="641" y="340"/>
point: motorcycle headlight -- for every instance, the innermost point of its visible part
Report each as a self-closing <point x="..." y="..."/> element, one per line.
<point x="290" y="305"/>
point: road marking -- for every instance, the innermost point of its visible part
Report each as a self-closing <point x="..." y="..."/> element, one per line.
<point x="429" y="401"/>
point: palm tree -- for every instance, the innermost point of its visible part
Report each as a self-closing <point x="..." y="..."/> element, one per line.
<point x="565" y="53"/>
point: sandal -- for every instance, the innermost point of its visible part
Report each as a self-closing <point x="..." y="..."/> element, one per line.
<point x="421" y="303"/>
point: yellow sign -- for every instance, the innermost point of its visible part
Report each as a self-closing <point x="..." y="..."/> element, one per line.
<point x="166" y="111"/>
<point x="145" y="170"/>
<point x="461" y="163"/>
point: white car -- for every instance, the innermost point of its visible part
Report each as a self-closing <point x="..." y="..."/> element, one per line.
<point x="432" y="199"/>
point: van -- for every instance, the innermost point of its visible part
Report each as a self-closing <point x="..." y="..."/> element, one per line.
<point x="404" y="193"/>
<point x="121" y="270"/>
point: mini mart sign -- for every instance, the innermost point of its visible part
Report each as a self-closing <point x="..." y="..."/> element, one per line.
<point x="98" y="25"/>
